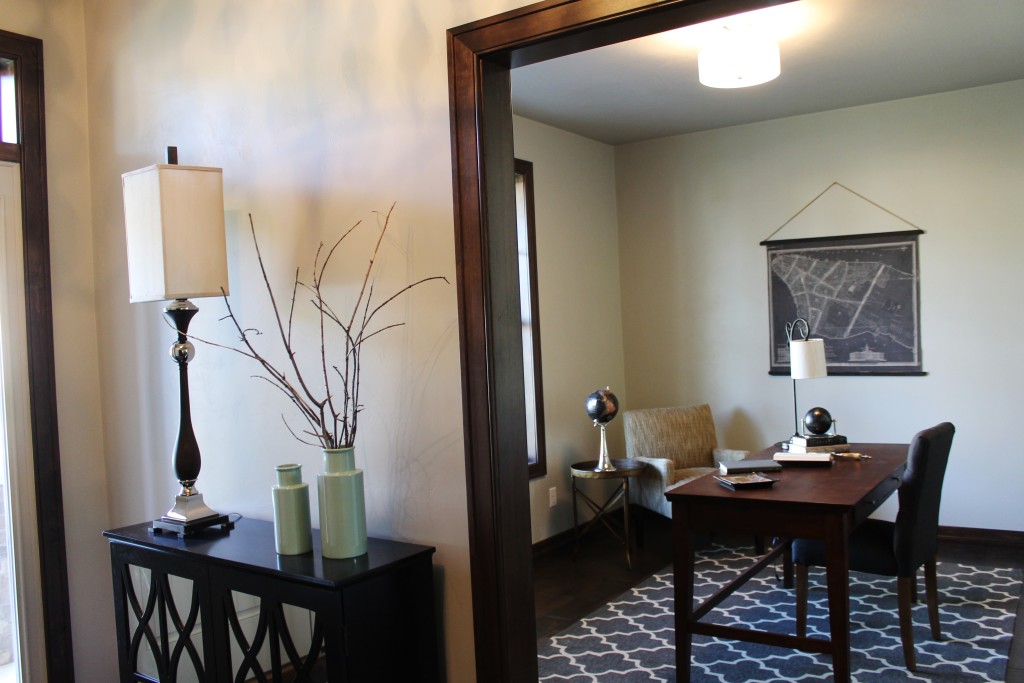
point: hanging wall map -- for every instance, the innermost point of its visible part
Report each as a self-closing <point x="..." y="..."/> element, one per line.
<point x="859" y="293"/>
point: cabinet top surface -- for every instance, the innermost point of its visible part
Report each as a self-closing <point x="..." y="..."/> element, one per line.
<point x="250" y="545"/>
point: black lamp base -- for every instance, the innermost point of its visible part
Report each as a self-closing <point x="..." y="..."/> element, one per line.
<point x="192" y="527"/>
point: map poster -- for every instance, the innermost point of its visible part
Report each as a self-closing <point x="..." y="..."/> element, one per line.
<point x="859" y="293"/>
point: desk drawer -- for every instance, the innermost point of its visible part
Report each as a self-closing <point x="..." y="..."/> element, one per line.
<point x="877" y="496"/>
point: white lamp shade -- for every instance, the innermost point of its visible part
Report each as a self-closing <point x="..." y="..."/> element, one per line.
<point x="738" y="61"/>
<point x="174" y="223"/>
<point x="807" y="358"/>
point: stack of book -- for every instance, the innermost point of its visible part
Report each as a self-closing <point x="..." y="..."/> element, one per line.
<point x="813" y="449"/>
<point x="804" y="458"/>
<point x="747" y="466"/>
<point x="827" y="443"/>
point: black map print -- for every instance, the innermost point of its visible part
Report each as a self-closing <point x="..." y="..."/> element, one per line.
<point x="858" y="294"/>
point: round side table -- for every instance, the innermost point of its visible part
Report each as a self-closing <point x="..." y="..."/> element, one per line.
<point x="624" y="470"/>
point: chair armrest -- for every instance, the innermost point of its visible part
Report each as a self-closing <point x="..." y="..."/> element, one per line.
<point x="661" y="468"/>
<point x="651" y="484"/>
<point x="728" y="455"/>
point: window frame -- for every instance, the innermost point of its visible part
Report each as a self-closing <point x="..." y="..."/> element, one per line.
<point x="30" y="153"/>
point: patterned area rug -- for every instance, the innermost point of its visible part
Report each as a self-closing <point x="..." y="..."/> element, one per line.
<point x="632" y="638"/>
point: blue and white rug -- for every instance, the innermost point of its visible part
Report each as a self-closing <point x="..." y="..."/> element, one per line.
<point x="632" y="639"/>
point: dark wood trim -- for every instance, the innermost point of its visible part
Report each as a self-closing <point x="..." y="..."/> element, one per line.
<point x="479" y="58"/>
<point x="802" y="241"/>
<point x="489" y="329"/>
<point x="10" y="152"/>
<point x="28" y="54"/>
<point x="991" y="537"/>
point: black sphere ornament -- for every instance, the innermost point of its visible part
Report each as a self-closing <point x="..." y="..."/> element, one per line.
<point x="817" y="421"/>
<point x="602" y="406"/>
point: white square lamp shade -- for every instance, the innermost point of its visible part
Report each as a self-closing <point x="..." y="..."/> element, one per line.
<point x="174" y="220"/>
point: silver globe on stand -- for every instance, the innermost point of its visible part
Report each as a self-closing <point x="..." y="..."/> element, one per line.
<point x="602" y="407"/>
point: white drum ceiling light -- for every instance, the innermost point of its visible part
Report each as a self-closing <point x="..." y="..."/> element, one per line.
<point x="739" y="60"/>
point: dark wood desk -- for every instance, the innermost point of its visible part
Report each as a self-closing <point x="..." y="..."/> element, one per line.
<point x="372" y="618"/>
<point x="807" y="502"/>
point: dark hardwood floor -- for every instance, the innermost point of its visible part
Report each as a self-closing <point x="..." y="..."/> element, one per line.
<point x="567" y="588"/>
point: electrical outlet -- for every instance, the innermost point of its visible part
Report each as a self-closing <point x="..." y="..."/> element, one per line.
<point x="552" y="496"/>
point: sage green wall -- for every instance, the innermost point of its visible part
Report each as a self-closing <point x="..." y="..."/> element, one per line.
<point x="693" y="209"/>
<point x="580" y="312"/>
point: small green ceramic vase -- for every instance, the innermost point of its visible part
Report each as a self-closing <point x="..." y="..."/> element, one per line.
<point x="342" y="505"/>
<point x="292" y="533"/>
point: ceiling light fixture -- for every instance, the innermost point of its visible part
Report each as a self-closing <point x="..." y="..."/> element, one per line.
<point x="739" y="60"/>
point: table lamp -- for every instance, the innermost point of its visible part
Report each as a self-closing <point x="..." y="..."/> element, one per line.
<point x="174" y="224"/>
<point x="806" y="360"/>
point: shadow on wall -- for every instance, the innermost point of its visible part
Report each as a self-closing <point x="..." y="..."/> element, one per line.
<point x="740" y="431"/>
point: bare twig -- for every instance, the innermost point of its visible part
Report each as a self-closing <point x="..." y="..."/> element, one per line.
<point x="328" y="425"/>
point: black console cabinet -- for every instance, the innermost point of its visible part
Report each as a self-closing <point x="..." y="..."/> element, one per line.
<point x="372" y="618"/>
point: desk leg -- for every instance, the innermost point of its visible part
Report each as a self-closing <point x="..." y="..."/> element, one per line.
<point x="625" y="521"/>
<point x="837" y="567"/>
<point x="682" y="542"/>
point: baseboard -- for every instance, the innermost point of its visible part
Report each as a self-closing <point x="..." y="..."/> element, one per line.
<point x="567" y="537"/>
<point x="989" y="537"/>
<point x="553" y="543"/>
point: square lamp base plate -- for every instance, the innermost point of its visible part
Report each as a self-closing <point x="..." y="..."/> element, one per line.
<point x="193" y="527"/>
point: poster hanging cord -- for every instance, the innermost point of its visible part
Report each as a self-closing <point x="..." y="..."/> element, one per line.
<point x="856" y="194"/>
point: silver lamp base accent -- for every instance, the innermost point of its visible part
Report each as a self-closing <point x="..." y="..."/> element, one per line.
<point x="188" y="507"/>
<point x="190" y="514"/>
<point x="604" y="462"/>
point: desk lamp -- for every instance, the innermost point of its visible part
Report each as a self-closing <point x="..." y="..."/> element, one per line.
<point x="174" y="225"/>
<point x="806" y="360"/>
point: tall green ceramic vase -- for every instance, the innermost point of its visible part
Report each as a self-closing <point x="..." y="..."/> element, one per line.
<point x="342" y="505"/>
<point x="292" y="534"/>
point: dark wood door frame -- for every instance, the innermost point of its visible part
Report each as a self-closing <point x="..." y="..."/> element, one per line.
<point x="28" y="56"/>
<point x="480" y="56"/>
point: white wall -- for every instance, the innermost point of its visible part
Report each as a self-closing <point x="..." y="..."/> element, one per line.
<point x="319" y="114"/>
<point x="580" y="311"/>
<point x="694" y="208"/>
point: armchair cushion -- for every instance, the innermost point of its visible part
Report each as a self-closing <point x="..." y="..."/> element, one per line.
<point x="729" y="454"/>
<point x="659" y="476"/>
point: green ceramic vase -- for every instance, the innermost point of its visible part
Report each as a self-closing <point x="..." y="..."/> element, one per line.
<point x="292" y="534"/>
<point x="342" y="505"/>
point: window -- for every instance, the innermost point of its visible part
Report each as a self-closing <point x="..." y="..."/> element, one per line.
<point x="529" y="314"/>
<point x="8" y="112"/>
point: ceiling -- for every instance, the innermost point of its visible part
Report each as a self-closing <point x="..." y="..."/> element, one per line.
<point x="835" y="54"/>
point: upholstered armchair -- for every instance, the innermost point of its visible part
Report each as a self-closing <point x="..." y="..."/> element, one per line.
<point x="678" y="445"/>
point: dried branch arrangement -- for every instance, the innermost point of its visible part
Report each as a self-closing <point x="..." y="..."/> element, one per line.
<point x="331" y="416"/>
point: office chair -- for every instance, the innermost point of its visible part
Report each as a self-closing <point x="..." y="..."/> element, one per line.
<point x="896" y="548"/>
